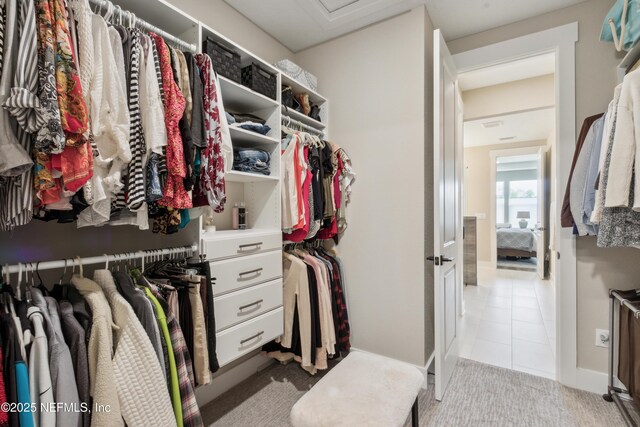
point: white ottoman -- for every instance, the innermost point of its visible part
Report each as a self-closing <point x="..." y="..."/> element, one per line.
<point x="362" y="390"/>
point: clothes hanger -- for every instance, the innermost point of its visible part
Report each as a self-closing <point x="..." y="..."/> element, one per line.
<point x="30" y="283"/>
<point x="117" y="15"/>
<point x="19" y="284"/>
<point x="40" y="281"/>
<point x="143" y="261"/>
<point x="5" y="275"/>
<point x="63" y="273"/>
<point x="98" y="9"/>
<point x="108" y="16"/>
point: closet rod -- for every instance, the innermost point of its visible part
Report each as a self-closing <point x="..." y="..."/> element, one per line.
<point x="144" y="25"/>
<point x="288" y="120"/>
<point x="69" y="262"/>
<point x="626" y="302"/>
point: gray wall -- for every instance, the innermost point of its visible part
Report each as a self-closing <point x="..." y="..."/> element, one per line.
<point x="376" y="82"/>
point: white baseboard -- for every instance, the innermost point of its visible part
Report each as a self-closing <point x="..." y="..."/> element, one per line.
<point x="232" y="375"/>
<point x="594" y="381"/>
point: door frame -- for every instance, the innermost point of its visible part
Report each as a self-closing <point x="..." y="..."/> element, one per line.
<point x="493" y="155"/>
<point x="561" y="41"/>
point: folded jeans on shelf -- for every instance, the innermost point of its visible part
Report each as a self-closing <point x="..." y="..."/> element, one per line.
<point x="243" y="154"/>
<point x="259" y="167"/>
<point x="253" y="127"/>
<point x="251" y="160"/>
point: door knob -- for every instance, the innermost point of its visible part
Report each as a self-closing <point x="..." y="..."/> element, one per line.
<point x="445" y="259"/>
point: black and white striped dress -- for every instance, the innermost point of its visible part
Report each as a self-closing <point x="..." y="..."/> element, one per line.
<point x="132" y="195"/>
<point x="135" y="183"/>
<point x="17" y="193"/>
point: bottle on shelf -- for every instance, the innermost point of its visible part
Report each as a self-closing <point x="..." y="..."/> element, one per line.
<point x="242" y="217"/>
<point x="236" y="216"/>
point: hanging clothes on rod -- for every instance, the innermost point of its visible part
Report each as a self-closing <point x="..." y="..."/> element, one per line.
<point x="603" y="202"/>
<point x="123" y="14"/>
<point x="115" y="142"/>
<point x="146" y="369"/>
<point x="316" y="187"/>
<point x="293" y="123"/>
<point x="315" y="308"/>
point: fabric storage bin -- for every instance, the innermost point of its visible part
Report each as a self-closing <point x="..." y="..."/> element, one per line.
<point x="226" y="61"/>
<point x="298" y="73"/>
<point x="256" y="78"/>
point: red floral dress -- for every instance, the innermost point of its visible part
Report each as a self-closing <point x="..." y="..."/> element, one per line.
<point x="174" y="193"/>
<point x="212" y="182"/>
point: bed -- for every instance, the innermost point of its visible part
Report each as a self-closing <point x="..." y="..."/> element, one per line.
<point x="516" y="242"/>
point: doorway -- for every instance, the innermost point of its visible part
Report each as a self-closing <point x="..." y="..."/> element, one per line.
<point x="520" y="206"/>
<point x="509" y="298"/>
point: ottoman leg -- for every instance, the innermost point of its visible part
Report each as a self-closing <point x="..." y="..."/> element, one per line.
<point x="415" y="416"/>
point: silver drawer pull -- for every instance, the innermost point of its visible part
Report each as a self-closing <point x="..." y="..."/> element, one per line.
<point x="251" y="337"/>
<point x="250" y="305"/>
<point x="256" y="245"/>
<point x="257" y="272"/>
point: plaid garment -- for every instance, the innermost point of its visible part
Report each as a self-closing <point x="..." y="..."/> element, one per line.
<point x="190" y="410"/>
<point x="343" y="334"/>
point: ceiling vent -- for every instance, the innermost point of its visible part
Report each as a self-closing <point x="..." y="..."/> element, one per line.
<point x="493" y="124"/>
<point x="507" y="138"/>
<point x="335" y="5"/>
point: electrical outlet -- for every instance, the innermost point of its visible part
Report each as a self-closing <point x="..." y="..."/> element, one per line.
<point x="602" y="338"/>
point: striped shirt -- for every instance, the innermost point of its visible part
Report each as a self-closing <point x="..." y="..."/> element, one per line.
<point x="16" y="194"/>
<point x="135" y="183"/>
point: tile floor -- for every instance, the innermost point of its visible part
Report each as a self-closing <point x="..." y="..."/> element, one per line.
<point x="509" y="321"/>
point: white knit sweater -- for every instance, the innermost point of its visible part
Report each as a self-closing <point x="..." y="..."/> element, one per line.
<point x="140" y="381"/>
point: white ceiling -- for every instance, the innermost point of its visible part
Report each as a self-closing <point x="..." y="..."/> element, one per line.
<point x="527" y="68"/>
<point x="459" y="18"/>
<point x="299" y="24"/>
<point x="525" y="126"/>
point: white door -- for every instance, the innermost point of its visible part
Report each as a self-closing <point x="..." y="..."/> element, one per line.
<point x="542" y="235"/>
<point x="447" y="212"/>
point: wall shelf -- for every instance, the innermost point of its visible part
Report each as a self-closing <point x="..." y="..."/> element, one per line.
<point x="246" y="138"/>
<point x="246" y="57"/>
<point x="629" y="59"/>
<point x="246" y="177"/>
<point x="241" y="99"/>
<point x="302" y="118"/>
<point x="297" y="87"/>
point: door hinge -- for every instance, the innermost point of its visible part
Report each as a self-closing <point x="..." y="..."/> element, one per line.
<point x="436" y="259"/>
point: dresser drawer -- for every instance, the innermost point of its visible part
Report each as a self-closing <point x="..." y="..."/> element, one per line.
<point x="226" y="244"/>
<point x="237" y="273"/>
<point x="246" y="304"/>
<point x="239" y="340"/>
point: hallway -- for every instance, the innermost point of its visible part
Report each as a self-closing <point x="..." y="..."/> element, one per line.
<point x="509" y="322"/>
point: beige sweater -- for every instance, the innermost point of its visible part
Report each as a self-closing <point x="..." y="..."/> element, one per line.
<point x="102" y="379"/>
<point x="139" y="379"/>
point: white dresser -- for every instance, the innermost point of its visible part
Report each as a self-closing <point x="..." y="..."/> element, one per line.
<point x="246" y="271"/>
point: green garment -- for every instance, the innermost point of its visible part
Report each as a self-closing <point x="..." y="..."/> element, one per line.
<point x="173" y="370"/>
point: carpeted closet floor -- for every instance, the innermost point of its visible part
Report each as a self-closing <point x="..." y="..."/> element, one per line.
<point x="479" y="395"/>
